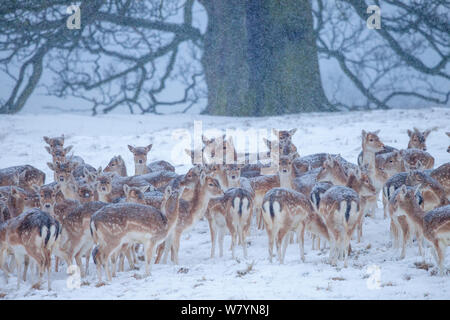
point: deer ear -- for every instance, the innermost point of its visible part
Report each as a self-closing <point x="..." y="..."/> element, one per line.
<point x="51" y="166"/>
<point x="448" y="134"/>
<point x="48" y="149"/>
<point x="131" y="148"/>
<point x="205" y="140"/>
<point x="145" y="188"/>
<point x="47" y="139"/>
<point x="149" y="147"/>
<point x="99" y="170"/>
<point x="292" y="131"/>
<point x="363" y="133"/>
<point x="202" y="177"/>
<point x="126" y="189"/>
<point x="67" y="150"/>
<point x="36" y="188"/>
<point x="409" y="133"/>
<point x="426" y="133"/>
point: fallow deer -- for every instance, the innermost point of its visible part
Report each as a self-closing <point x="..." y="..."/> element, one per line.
<point x="417" y="138"/>
<point x="205" y="188"/>
<point x="27" y="175"/>
<point x="262" y="184"/>
<point x="436" y="225"/>
<point x="442" y="175"/>
<point x="117" y="165"/>
<point x="75" y="237"/>
<point x="406" y="210"/>
<point x="18" y="200"/>
<point x="232" y="211"/>
<point x="123" y="223"/>
<point x="32" y="234"/>
<point x="432" y="192"/>
<point x="55" y="142"/>
<point x="110" y="185"/>
<point x="415" y="159"/>
<point x="340" y="209"/>
<point x="287" y="210"/>
<point x="140" y="161"/>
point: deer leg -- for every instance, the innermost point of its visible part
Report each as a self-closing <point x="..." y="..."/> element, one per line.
<point x="129" y="254"/>
<point x="159" y="252"/>
<point x="56" y="263"/>
<point x="213" y="231"/>
<point x="301" y="240"/>
<point x="440" y="247"/>
<point x="88" y="256"/>
<point x="79" y="264"/>
<point x="221" y="238"/>
<point x="19" y="262"/>
<point x="25" y="267"/>
<point x="149" y="252"/>
<point x="241" y="234"/>
<point x="271" y="238"/>
<point x="176" y="246"/>
<point x="167" y="247"/>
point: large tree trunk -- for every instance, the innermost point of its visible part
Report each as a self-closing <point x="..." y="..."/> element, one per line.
<point x="260" y="58"/>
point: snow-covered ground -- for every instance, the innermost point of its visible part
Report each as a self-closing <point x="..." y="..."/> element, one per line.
<point x="97" y="139"/>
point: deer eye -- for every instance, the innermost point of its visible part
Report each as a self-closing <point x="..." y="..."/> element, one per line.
<point x="211" y="185"/>
<point x="371" y="140"/>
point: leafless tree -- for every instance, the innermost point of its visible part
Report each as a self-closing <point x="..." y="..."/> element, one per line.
<point x="255" y="57"/>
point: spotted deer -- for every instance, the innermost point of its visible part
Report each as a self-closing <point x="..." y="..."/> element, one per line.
<point x="287" y="210"/>
<point x="75" y="240"/>
<point x="262" y="184"/>
<point x="406" y="210"/>
<point x="29" y="235"/>
<point x="442" y="175"/>
<point x="432" y="191"/>
<point x="140" y="161"/>
<point x="232" y="211"/>
<point x="110" y="185"/>
<point x="415" y="159"/>
<point x="417" y="138"/>
<point x="436" y="225"/>
<point x="117" y="165"/>
<point x="18" y="200"/>
<point x="205" y="188"/>
<point x="340" y="209"/>
<point x="124" y="223"/>
<point x="22" y="176"/>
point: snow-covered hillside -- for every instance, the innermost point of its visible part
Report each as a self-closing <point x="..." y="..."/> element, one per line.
<point x="97" y="139"/>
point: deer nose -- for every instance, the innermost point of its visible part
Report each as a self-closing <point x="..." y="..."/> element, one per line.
<point x="47" y="205"/>
<point x="103" y="189"/>
<point x="233" y="177"/>
<point x="424" y="149"/>
<point x="61" y="179"/>
<point x="140" y="161"/>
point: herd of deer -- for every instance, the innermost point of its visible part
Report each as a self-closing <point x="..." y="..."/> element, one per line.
<point x="111" y="216"/>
